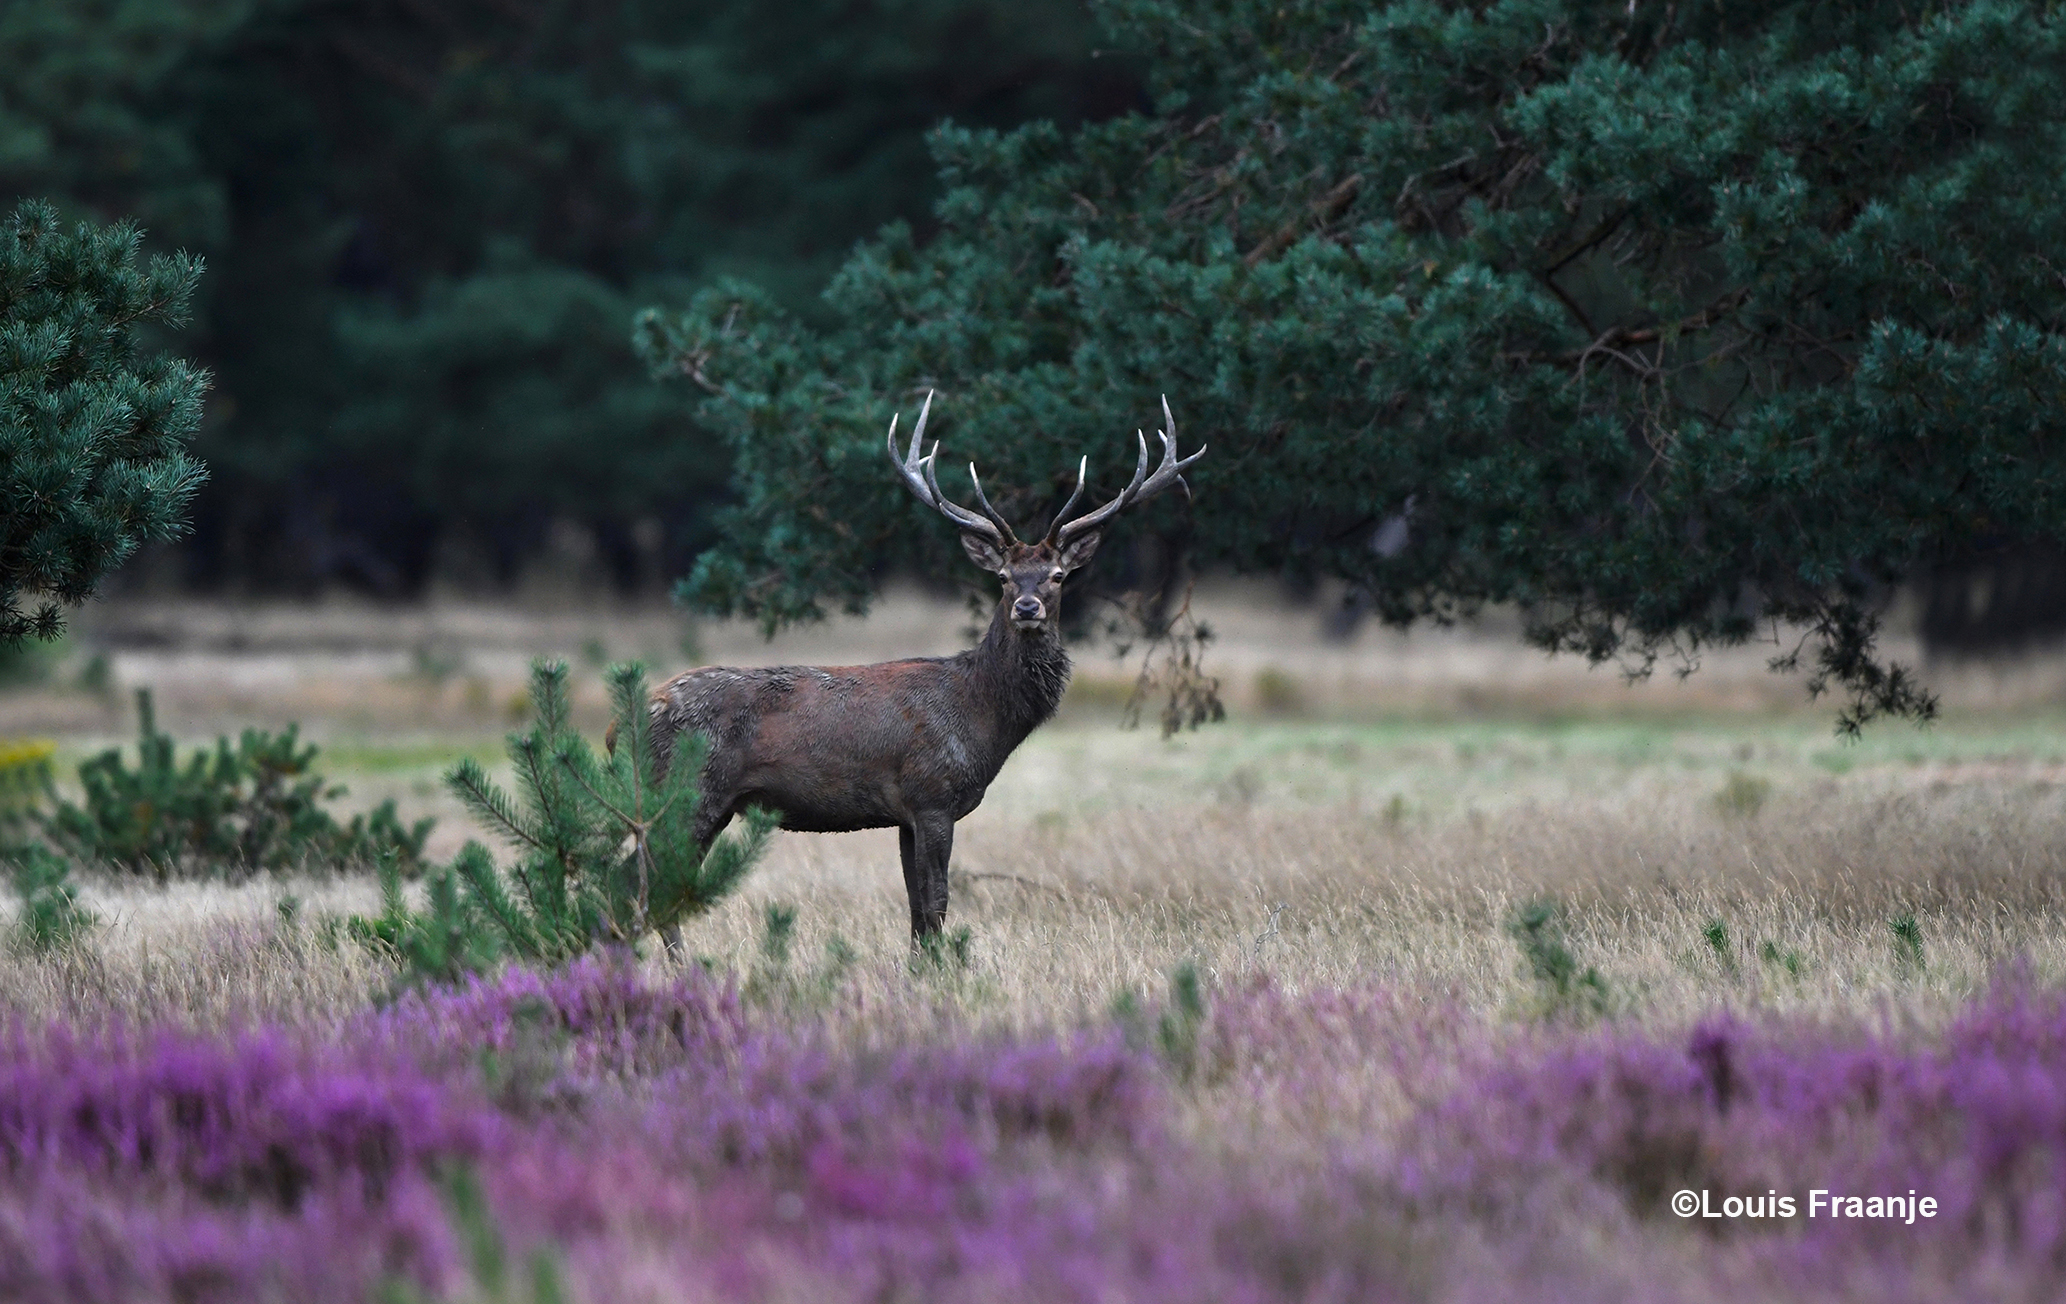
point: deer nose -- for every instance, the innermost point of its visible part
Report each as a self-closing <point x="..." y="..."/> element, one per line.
<point x="1027" y="608"/>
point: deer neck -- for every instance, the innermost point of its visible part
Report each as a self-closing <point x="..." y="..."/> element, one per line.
<point x="1020" y="674"/>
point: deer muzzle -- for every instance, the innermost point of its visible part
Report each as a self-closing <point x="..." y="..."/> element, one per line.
<point x="1028" y="610"/>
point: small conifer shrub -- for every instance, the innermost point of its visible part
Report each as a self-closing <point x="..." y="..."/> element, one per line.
<point x="605" y="846"/>
<point x="50" y="917"/>
<point x="245" y="807"/>
<point x="1563" y="988"/>
<point x="1908" y="944"/>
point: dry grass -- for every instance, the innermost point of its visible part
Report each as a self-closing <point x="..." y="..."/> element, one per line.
<point x="1113" y="902"/>
<point x="1320" y="855"/>
<point x="1379" y="809"/>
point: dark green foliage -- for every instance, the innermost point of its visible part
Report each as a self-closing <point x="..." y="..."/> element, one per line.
<point x="1716" y="935"/>
<point x="93" y="434"/>
<point x="2004" y="599"/>
<point x="1565" y="990"/>
<point x="605" y="847"/>
<point x="255" y="805"/>
<point x="1663" y="323"/>
<point x="1176" y="1032"/>
<point x="943" y="951"/>
<point x="51" y="917"/>
<point x="1908" y="943"/>
<point x="432" y="222"/>
<point x="777" y="980"/>
<point x="778" y="933"/>
<point x="86" y="118"/>
<point x="1790" y="961"/>
<point x="442" y="943"/>
<point x="29" y="662"/>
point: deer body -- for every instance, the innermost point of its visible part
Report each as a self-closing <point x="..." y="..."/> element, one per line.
<point x="839" y="748"/>
<point x="910" y="744"/>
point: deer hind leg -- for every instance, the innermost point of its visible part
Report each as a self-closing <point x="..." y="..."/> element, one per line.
<point x="925" y="845"/>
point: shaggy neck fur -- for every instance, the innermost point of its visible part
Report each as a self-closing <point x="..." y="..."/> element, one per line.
<point x="1023" y="673"/>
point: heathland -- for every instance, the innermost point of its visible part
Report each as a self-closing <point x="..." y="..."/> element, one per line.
<point x="1433" y="973"/>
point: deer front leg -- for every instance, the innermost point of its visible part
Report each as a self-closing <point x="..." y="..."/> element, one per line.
<point x="925" y="845"/>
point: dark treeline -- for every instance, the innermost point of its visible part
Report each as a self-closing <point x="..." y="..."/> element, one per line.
<point x="428" y="224"/>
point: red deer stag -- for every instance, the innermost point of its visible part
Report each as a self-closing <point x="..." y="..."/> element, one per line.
<point x="911" y="744"/>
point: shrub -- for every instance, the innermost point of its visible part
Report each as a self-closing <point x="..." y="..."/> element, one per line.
<point x="50" y="917"/>
<point x="1790" y="961"/>
<point x="440" y="944"/>
<point x="1742" y="796"/>
<point x="25" y="769"/>
<point x="1908" y="943"/>
<point x="947" y="951"/>
<point x="1278" y="692"/>
<point x="606" y="848"/>
<point x="1176" y="1032"/>
<point x="1538" y="928"/>
<point x="1716" y="935"/>
<point x="253" y="806"/>
<point x="777" y="980"/>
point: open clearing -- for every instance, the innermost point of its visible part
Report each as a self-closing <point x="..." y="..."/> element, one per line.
<point x="1243" y="1014"/>
<point x="1378" y="807"/>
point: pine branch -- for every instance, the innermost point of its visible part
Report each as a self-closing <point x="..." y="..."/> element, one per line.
<point x="721" y="870"/>
<point x="488" y="803"/>
<point x="477" y="868"/>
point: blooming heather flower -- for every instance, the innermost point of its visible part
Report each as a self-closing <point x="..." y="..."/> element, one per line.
<point x="665" y="1144"/>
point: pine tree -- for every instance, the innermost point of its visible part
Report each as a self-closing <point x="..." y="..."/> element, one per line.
<point x="605" y="847"/>
<point x="93" y="432"/>
<point x="1669" y="324"/>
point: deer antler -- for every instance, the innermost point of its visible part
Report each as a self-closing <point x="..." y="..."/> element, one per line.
<point x="1143" y="487"/>
<point x="919" y="476"/>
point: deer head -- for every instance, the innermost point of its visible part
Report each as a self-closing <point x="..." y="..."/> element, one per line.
<point x="1032" y="574"/>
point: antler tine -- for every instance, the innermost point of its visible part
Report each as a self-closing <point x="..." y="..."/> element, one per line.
<point x="908" y="464"/>
<point x="1063" y="530"/>
<point x="919" y="477"/>
<point x="1143" y="486"/>
<point x="960" y="515"/>
<point x="1171" y="470"/>
<point x="1082" y="466"/>
<point x="983" y="500"/>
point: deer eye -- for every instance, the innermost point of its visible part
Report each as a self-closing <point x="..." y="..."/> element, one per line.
<point x="1058" y="576"/>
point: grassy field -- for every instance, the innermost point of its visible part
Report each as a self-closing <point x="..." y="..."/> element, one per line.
<point x="1324" y="853"/>
<point x="1307" y="930"/>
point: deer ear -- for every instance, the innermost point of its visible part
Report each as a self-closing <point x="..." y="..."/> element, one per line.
<point x="982" y="552"/>
<point x="1078" y="551"/>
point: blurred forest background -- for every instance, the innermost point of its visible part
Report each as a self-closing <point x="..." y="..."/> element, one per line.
<point x="428" y="224"/>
